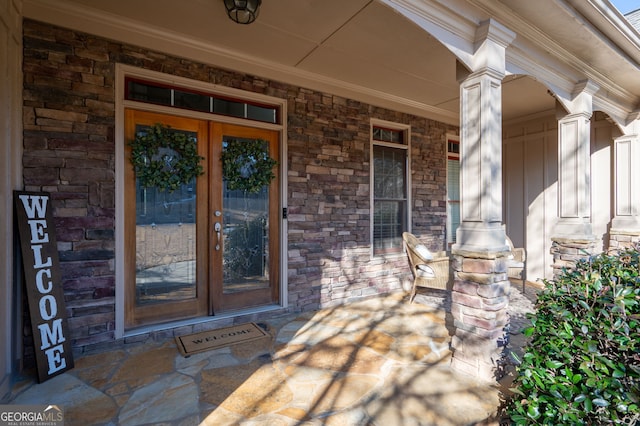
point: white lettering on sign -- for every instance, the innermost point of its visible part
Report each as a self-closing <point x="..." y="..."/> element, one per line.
<point x="41" y="287"/>
<point x="38" y="233"/>
<point x="55" y="360"/>
<point x="37" y="255"/>
<point x="48" y="307"/>
<point x="51" y="333"/>
<point x="38" y="207"/>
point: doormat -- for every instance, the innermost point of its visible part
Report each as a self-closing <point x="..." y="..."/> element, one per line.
<point x="221" y="337"/>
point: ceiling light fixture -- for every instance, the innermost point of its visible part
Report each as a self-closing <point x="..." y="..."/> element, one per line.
<point x="242" y="11"/>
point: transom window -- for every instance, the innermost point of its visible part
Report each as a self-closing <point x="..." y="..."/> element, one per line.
<point x="160" y="94"/>
<point x="390" y="188"/>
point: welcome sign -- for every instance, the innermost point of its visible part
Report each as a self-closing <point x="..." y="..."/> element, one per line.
<point x="43" y="283"/>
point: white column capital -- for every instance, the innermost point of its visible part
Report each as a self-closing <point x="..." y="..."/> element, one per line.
<point x="494" y="31"/>
<point x="491" y="42"/>
<point x="581" y="102"/>
<point x="585" y="87"/>
<point x="632" y="128"/>
<point x="627" y="138"/>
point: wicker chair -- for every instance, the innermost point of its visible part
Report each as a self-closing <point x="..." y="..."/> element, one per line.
<point x="429" y="270"/>
<point x="516" y="263"/>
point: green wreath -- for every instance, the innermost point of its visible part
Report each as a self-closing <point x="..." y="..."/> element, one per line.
<point x="246" y="165"/>
<point x="165" y="158"/>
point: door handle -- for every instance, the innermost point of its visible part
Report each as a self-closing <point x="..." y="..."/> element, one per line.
<point x="217" y="228"/>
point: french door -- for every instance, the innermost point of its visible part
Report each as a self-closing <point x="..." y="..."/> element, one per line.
<point x="245" y="226"/>
<point x="204" y="248"/>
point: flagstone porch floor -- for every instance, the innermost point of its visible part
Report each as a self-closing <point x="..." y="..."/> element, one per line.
<point x="379" y="362"/>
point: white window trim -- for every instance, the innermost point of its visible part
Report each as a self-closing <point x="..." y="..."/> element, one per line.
<point x="407" y="131"/>
<point x="454" y="138"/>
<point x="121" y="104"/>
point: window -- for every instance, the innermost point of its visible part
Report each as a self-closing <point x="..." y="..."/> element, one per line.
<point x="453" y="188"/>
<point x="161" y="94"/>
<point x="390" y="193"/>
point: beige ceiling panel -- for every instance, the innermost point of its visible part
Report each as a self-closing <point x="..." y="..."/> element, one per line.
<point x="182" y="15"/>
<point x="450" y="105"/>
<point x="207" y="21"/>
<point x="379" y="34"/>
<point x="314" y="20"/>
<point x="523" y="96"/>
<point x="261" y="41"/>
<point x="377" y="76"/>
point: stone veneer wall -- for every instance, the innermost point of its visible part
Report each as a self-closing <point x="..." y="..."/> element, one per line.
<point x="567" y="252"/>
<point x="622" y="240"/>
<point x="69" y="150"/>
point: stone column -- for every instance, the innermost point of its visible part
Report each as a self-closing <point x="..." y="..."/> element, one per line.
<point x="625" y="226"/>
<point x="481" y="288"/>
<point x="573" y="238"/>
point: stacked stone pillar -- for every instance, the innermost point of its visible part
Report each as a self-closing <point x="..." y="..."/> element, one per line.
<point x="567" y="251"/>
<point x="479" y="308"/>
<point x="480" y="289"/>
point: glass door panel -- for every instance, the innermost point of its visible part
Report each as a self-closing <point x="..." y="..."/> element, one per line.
<point x="164" y="245"/>
<point x="245" y="256"/>
<point x="245" y="259"/>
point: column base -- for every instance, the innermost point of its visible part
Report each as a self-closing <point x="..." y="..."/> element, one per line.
<point x="623" y="239"/>
<point x="480" y="240"/>
<point x="573" y="229"/>
<point x="486" y="364"/>
<point x="567" y="252"/>
<point x="479" y="302"/>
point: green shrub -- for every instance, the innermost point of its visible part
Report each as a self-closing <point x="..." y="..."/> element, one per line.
<point x="582" y="363"/>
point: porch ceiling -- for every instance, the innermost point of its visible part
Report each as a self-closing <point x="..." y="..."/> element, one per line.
<point x="361" y="45"/>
